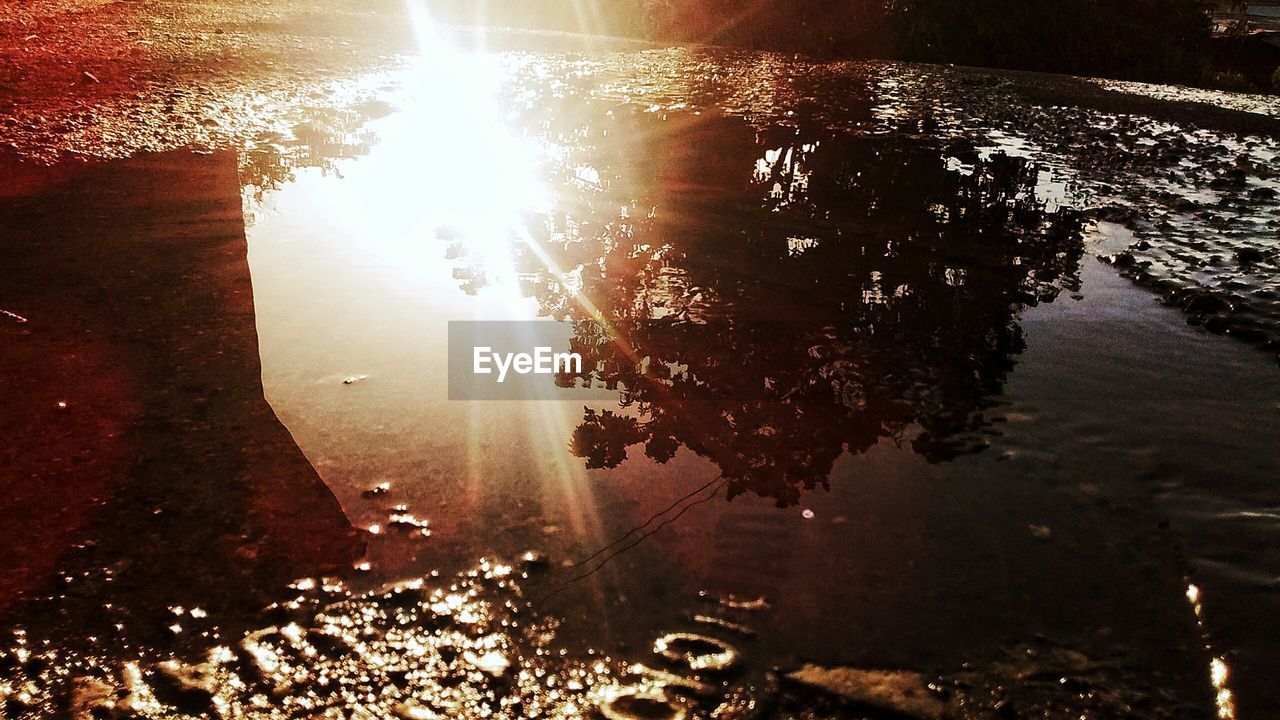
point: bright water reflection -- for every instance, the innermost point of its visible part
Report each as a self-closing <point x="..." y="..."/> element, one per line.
<point x="781" y="295"/>
<point x="832" y="288"/>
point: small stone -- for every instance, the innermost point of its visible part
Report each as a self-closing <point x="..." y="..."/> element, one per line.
<point x="641" y="704"/>
<point x="1204" y="302"/>
<point x="1248" y="256"/>
<point x="895" y="691"/>
<point x="533" y="559"/>
<point x="329" y="644"/>
<point x="189" y="688"/>
<point x="410" y="711"/>
<point x="90" y="698"/>
<point x="1124" y="259"/>
<point x="381" y="488"/>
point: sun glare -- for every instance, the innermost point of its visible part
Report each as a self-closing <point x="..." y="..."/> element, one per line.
<point x="461" y="176"/>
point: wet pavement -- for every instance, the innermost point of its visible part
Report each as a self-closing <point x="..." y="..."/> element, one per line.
<point x="919" y="390"/>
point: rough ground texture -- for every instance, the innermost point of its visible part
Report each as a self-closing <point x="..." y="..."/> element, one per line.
<point x="474" y="647"/>
<point x="106" y="79"/>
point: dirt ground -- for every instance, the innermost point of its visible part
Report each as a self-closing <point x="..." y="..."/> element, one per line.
<point x="105" y="78"/>
<point x="96" y="78"/>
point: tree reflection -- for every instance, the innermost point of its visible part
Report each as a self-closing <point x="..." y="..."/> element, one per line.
<point x="324" y="138"/>
<point x="769" y="296"/>
<point x="771" y="311"/>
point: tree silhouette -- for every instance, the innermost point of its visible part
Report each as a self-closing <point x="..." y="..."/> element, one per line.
<point x="772" y="298"/>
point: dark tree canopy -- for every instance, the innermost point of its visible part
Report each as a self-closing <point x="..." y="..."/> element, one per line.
<point x="772" y="297"/>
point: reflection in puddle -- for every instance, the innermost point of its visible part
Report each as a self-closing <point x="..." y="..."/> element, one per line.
<point x="910" y="339"/>
<point x="145" y="446"/>
<point x="673" y="257"/>
<point x="774" y="294"/>
<point x="1219" y="674"/>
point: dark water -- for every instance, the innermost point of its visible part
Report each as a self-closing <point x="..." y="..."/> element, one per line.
<point x="870" y="393"/>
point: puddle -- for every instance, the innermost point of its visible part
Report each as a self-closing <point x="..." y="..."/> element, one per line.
<point x="866" y="399"/>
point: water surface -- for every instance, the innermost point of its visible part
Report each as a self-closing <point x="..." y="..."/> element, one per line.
<point x="866" y="385"/>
